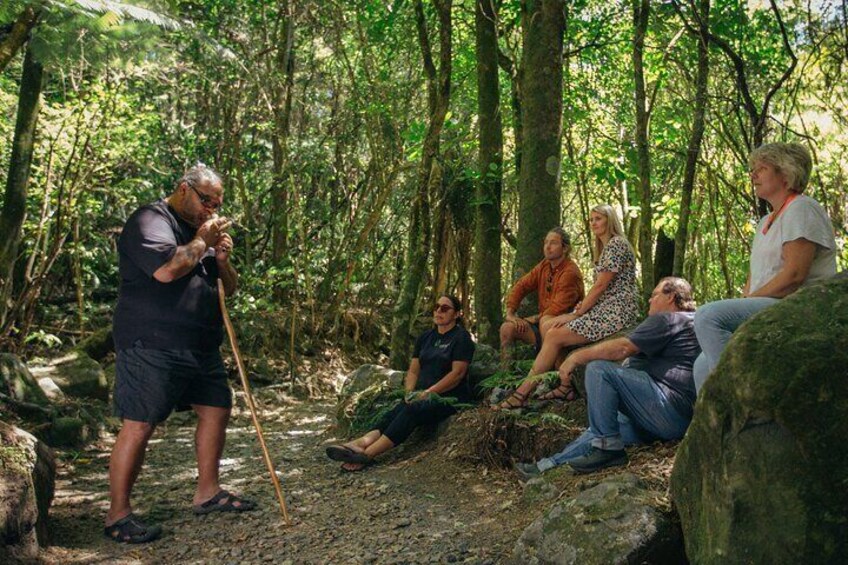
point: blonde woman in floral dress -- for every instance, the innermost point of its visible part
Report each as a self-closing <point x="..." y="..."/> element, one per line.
<point x="611" y="305"/>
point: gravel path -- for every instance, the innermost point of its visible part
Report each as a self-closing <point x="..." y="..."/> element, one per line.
<point x="417" y="506"/>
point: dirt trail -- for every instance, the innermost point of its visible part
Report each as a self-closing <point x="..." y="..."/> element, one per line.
<point x="415" y="507"/>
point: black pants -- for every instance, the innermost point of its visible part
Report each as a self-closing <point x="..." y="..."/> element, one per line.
<point x="404" y="418"/>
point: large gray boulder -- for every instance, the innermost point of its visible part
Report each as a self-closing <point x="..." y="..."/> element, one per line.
<point x="364" y="394"/>
<point x="17" y="382"/>
<point x="77" y="375"/>
<point x="612" y="522"/>
<point x="762" y="474"/>
<point x="27" y="474"/>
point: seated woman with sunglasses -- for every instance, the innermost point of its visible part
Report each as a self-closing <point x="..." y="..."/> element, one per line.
<point x="439" y="364"/>
<point x="611" y="305"/>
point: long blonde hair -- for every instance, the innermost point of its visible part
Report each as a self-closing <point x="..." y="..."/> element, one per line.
<point x="614" y="228"/>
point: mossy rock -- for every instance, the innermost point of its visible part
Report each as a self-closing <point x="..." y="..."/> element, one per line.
<point x="77" y="375"/>
<point x="365" y="395"/>
<point x="67" y="431"/>
<point x="762" y="474"/>
<point x="27" y="478"/>
<point x="612" y="522"/>
<point x="98" y="345"/>
<point x="17" y="381"/>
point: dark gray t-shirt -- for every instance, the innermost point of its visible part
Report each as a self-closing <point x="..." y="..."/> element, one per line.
<point x="667" y="350"/>
<point x="182" y="314"/>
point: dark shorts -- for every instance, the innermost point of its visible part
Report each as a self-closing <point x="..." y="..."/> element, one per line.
<point x="150" y="383"/>
<point x="538" y="334"/>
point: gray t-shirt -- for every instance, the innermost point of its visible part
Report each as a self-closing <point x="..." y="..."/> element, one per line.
<point x="667" y="350"/>
<point x="802" y="218"/>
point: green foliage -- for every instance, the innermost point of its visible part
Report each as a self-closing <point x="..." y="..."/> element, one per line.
<point x="128" y="105"/>
<point x="511" y="379"/>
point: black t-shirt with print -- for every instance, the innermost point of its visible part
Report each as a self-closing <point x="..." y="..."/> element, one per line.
<point x="182" y="314"/>
<point x="436" y="353"/>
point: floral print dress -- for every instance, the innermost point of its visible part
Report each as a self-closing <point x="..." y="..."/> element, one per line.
<point x="618" y="307"/>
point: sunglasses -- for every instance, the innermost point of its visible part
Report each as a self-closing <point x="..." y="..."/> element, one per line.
<point x="205" y="200"/>
<point x="442" y="308"/>
<point x="550" y="283"/>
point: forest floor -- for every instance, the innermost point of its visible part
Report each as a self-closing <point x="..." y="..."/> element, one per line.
<point x="425" y="502"/>
<point x="414" y="507"/>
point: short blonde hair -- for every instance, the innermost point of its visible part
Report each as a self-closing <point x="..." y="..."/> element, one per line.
<point x="792" y="160"/>
<point x="614" y="227"/>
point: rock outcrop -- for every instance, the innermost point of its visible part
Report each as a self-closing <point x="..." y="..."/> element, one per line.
<point x="365" y="393"/>
<point x="612" y="522"/>
<point x="77" y="375"/>
<point x="17" y="382"/>
<point x="27" y="474"/>
<point x="762" y="475"/>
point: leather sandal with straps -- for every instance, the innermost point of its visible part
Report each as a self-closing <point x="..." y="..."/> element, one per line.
<point x="564" y="392"/>
<point x="513" y="401"/>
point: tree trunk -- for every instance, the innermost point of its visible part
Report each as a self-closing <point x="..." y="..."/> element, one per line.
<point x="543" y="23"/>
<point x="418" y="250"/>
<point x="14" y="202"/>
<point x="487" y="235"/>
<point x="694" y="150"/>
<point x="284" y="72"/>
<point x="664" y="257"/>
<point x="641" y="11"/>
<point x="18" y="35"/>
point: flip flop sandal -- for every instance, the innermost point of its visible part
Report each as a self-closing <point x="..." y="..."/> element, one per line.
<point x="130" y="529"/>
<point x="564" y="393"/>
<point x="346" y="455"/>
<point x="224" y="501"/>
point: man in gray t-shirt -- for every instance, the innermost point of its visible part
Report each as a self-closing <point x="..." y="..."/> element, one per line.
<point x="649" y="397"/>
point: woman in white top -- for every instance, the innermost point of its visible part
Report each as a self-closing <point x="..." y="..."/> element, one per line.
<point x="793" y="247"/>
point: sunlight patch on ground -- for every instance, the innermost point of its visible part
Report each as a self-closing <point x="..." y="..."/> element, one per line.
<point x="295" y="433"/>
<point x="311" y="420"/>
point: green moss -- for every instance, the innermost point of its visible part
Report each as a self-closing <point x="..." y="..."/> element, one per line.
<point x="761" y="475"/>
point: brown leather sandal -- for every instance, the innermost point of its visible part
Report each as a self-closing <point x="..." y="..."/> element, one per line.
<point x="514" y="401"/>
<point x="564" y="392"/>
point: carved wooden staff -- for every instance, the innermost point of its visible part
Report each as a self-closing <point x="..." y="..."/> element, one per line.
<point x="250" y="402"/>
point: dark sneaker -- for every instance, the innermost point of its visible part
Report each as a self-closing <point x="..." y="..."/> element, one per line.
<point x="598" y="459"/>
<point x="527" y="470"/>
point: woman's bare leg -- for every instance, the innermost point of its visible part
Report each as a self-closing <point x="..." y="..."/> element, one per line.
<point x="555" y="340"/>
<point x="377" y="446"/>
<point x="361" y="444"/>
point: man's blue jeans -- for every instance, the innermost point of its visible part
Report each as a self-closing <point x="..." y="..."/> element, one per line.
<point x="714" y="324"/>
<point x="626" y="407"/>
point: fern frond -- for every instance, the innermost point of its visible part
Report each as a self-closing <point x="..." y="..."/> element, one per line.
<point x="122" y="11"/>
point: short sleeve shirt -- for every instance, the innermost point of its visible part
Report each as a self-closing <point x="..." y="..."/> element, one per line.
<point x="182" y="314"/>
<point x="667" y="351"/>
<point x="803" y="218"/>
<point x="436" y="353"/>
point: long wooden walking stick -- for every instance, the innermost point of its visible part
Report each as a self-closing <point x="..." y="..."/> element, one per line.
<point x="250" y="402"/>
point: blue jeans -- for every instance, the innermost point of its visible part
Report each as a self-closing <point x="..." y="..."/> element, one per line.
<point x="715" y="323"/>
<point x="626" y="407"/>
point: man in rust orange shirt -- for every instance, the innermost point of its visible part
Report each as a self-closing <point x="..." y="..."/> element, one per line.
<point x="559" y="284"/>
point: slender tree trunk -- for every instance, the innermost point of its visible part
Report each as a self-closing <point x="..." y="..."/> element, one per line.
<point x="14" y="202"/>
<point x="487" y="234"/>
<point x="663" y="257"/>
<point x="18" y="35"/>
<point x="541" y="106"/>
<point x="430" y="173"/>
<point x="694" y="150"/>
<point x="284" y="72"/>
<point x="641" y="11"/>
